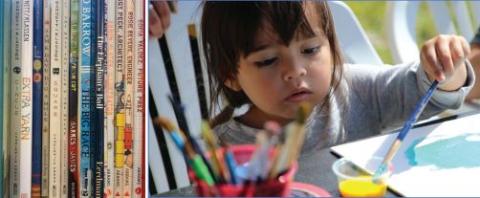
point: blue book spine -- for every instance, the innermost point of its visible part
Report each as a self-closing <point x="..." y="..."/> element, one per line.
<point x="99" y="97"/>
<point x="86" y="96"/>
<point x="37" y="97"/>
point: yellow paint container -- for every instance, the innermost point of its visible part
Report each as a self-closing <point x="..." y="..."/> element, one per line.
<point x="354" y="182"/>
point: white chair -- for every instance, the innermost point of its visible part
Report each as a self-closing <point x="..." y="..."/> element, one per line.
<point x="354" y="43"/>
<point x="401" y="31"/>
<point x="167" y="168"/>
<point x="401" y="24"/>
<point x="166" y="164"/>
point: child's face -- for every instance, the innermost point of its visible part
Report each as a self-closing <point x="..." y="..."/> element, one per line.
<point x="277" y="78"/>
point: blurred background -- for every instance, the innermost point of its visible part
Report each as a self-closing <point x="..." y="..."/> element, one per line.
<point x="372" y="17"/>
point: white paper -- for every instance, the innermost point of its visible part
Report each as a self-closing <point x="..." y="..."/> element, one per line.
<point x="436" y="160"/>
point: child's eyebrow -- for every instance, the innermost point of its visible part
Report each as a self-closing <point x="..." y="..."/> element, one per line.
<point x="259" y="48"/>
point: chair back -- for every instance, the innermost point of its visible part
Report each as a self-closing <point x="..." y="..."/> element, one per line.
<point x="449" y="17"/>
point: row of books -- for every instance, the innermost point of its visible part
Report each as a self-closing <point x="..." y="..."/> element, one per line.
<point x="73" y="96"/>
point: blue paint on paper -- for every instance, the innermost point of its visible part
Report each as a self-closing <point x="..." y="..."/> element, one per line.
<point x="456" y="152"/>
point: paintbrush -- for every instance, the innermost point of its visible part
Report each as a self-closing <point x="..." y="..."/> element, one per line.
<point x="406" y="128"/>
<point x="199" y="166"/>
<point x="182" y="122"/>
<point x="211" y="142"/>
<point x="294" y="140"/>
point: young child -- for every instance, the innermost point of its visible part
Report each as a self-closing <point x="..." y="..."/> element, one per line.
<point x="275" y="55"/>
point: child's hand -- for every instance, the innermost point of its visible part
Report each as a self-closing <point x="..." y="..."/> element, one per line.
<point x="443" y="59"/>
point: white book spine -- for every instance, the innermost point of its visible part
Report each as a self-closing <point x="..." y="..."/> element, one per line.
<point x="65" y="64"/>
<point x="109" y="125"/>
<point x="55" y="100"/>
<point x="26" y="99"/>
<point x="139" y="100"/>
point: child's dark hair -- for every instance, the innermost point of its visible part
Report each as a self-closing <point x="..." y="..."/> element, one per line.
<point x="229" y="30"/>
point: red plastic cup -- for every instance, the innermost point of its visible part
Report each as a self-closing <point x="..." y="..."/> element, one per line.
<point x="279" y="186"/>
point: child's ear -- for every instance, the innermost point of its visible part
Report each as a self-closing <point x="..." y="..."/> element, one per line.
<point x="233" y="84"/>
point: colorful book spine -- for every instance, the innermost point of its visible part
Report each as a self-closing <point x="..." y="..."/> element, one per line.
<point x="99" y="98"/>
<point x="129" y="21"/>
<point x="56" y="133"/>
<point x="26" y="100"/>
<point x="119" y="100"/>
<point x="37" y="98"/>
<point x="109" y="124"/>
<point x="65" y="62"/>
<point x="46" y="98"/>
<point x="73" y="173"/>
<point x="16" y="90"/>
<point x="139" y="100"/>
<point x="85" y="97"/>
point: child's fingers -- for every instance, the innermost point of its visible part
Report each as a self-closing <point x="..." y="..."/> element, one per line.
<point x="430" y="62"/>
<point x="465" y="46"/>
<point x="444" y="55"/>
<point x="457" y="49"/>
<point x="163" y="12"/>
<point x="155" y="25"/>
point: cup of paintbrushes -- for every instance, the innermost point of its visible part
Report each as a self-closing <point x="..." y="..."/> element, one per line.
<point x="278" y="185"/>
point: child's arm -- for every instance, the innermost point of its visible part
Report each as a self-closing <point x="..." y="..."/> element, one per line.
<point x="383" y="97"/>
<point x="443" y="59"/>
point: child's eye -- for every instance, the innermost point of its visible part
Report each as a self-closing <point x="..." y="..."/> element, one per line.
<point x="265" y="62"/>
<point x="311" y="50"/>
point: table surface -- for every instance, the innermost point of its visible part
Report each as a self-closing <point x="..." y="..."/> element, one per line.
<point x="329" y="180"/>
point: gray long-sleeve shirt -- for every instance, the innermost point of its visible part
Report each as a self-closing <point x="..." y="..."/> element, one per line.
<point x="371" y="99"/>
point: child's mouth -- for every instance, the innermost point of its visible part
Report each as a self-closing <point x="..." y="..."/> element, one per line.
<point x="299" y="96"/>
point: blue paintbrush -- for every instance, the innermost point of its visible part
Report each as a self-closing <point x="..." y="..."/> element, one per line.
<point x="406" y="128"/>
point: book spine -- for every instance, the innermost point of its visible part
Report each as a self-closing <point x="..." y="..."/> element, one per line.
<point x="65" y="60"/>
<point x="85" y="97"/>
<point x="26" y="100"/>
<point x="46" y="98"/>
<point x="139" y="100"/>
<point x="73" y="172"/>
<point x="15" y="114"/>
<point x="129" y="21"/>
<point x="6" y="47"/>
<point x="37" y="98"/>
<point x="55" y="100"/>
<point x="99" y="97"/>
<point x="109" y="125"/>
<point x="4" y="99"/>
<point x="119" y="93"/>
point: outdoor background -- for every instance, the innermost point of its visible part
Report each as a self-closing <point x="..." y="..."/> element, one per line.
<point x="371" y="15"/>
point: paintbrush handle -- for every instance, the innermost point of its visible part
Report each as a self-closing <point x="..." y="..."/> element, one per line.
<point x="406" y="128"/>
<point x="418" y="110"/>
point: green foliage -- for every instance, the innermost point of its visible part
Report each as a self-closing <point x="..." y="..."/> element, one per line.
<point x="373" y="18"/>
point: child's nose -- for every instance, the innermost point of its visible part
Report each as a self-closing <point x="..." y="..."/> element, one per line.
<point x="294" y="71"/>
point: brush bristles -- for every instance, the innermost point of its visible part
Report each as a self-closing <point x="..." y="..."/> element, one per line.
<point x="164" y="123"/>
<point x="303" y="112"/>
